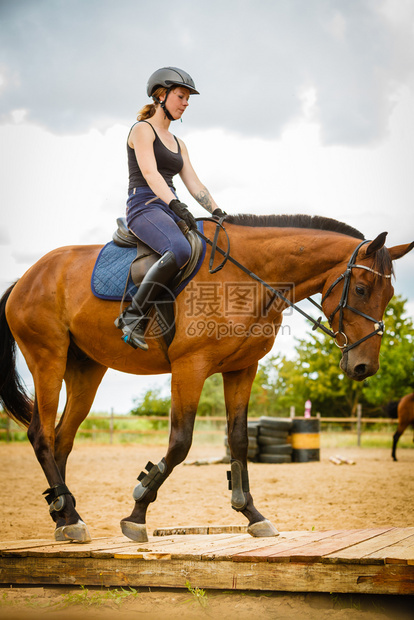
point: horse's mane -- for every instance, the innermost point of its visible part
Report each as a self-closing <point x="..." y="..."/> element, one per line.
<point x="382" y="261"/>
<point x="315" y="222"/>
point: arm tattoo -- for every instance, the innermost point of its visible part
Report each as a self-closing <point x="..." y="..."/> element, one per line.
<point x="204" y="199"/>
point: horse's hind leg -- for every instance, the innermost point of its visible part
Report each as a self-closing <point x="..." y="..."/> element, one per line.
<point x="395" y="439"/>
<point x="82" y="379"/>
<point x="186" y="386"/>
<point x="237" y="388"/>
<point x="49" y="366"/>
<point x="48" y="371"/>
<point x="402" y="425"/>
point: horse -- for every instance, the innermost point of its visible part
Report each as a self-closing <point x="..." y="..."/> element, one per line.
<point x="404" y="410"/>
<point x="225" y="321"/>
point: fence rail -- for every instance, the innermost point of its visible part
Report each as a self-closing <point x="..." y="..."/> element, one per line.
<point x="10" y="428"/>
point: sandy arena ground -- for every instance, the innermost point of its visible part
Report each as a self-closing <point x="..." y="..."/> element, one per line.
<point x="374" y="491"/>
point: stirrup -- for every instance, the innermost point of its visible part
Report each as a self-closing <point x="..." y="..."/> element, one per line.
<point x="133" y="329"/>
<point x="134" y="339"/>
<point x="134" y="332"/>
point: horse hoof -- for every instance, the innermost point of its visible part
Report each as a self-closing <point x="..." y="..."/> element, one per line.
<point x="134" y="531"/>
<point x="78" y="532"/>
<point x="262" y="529"/>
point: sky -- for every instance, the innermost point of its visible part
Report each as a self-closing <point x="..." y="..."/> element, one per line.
<point x="305" y="107"/>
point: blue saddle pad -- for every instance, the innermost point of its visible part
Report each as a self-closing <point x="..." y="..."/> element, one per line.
<point x="111" y="271"/>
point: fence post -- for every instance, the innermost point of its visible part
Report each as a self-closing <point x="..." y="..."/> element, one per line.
<point x="359" y="415"/>
<point x="292" y="412"/>
<point x="111" y="425"/>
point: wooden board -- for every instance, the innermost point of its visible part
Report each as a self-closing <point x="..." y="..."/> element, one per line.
<point x="399" y="552"/>
<point x="277" y="546"/>
<point x="371" y="560"/>
<point x="201" y="529"/>
<point x="314" y="551"/>
<point x="374" y="550"/>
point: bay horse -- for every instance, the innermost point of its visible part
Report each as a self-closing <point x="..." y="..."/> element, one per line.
<point x="405" y="412"/>
<point x="225" y="322"/>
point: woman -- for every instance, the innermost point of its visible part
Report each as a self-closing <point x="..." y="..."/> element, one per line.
<point x="155" y="156"/>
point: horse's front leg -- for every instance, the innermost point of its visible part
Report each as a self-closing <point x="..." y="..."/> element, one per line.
<point x="237" y="388"/>
<point x="185" y="393"/>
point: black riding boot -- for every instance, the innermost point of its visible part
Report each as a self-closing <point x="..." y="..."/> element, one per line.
<point x="134" y="319"/>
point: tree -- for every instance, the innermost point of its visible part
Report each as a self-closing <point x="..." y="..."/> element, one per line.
<point x="395" y="377"/>
<point x="152" y="403"/>
<point x="314" y="374"/>
<point x="263" y="398"/>
<point x="212" y="397"/>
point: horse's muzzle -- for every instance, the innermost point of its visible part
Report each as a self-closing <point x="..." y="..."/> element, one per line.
<point x="357" y="367"/>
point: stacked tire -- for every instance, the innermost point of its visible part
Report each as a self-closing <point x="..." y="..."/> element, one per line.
<point x="253" y="449"/>
<point x="272" y="440"/>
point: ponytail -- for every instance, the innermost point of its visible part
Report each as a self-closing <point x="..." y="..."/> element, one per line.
<point x="146" y="112"/>
<point x="149" y="110"/>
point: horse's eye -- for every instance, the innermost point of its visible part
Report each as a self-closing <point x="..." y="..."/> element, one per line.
<point x="360" y="290"/>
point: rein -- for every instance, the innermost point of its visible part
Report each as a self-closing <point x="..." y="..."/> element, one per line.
<point x="343" y="304"/>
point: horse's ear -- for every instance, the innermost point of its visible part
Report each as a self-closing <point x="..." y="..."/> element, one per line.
<point x="400" y="250"/>
<point x="377" y="244"/>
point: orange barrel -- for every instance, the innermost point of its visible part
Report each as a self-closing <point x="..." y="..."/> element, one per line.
<point x="305" y="439"/>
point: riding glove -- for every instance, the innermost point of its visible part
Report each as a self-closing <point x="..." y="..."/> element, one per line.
<point x="180" y="209"/>
<point x="218" y="213"/>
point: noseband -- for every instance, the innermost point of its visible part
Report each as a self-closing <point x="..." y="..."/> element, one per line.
<point x="343" y="304"/>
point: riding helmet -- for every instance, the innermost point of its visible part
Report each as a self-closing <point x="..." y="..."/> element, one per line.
<point x="168" y="77"/>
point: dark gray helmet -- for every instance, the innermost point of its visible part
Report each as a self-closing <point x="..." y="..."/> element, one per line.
<point x="168" y="77"/>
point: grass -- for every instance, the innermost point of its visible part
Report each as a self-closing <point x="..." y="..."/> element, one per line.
<point x="369" y="439"/>
<point x="199" y="596"/>
<point x="144" y="431"/>
<point x="83" y="598"/>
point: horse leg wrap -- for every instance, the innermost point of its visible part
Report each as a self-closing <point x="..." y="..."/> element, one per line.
<point x="151" y="480"/>
<point x="56" y="497"/>
<point x="238" y="478"/>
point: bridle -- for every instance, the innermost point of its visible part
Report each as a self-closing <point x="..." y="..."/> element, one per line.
<point x="343" y="303"/>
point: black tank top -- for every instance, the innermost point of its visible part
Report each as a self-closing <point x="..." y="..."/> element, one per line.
<point x="168" y="163"/>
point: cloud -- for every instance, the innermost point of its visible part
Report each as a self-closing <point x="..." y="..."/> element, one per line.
<point x="4" y="236"/>
<point x="26" y="258"/>
<point x="72" y="65"/>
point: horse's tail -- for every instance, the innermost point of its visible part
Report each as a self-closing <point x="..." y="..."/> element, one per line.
<point x="391" y="409"/>
<point x="13" y="397"/>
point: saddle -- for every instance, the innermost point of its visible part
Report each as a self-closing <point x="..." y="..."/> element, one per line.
<point x="146" y="256"/>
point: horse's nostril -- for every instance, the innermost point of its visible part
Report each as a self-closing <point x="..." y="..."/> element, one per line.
<point x="360" y="370"/>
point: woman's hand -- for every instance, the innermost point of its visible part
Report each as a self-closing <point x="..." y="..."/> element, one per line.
<point x="218" y="213"/>
<point x="180" y="209"/>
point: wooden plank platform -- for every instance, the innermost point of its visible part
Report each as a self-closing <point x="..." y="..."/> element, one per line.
<point x="372" y="560"/>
